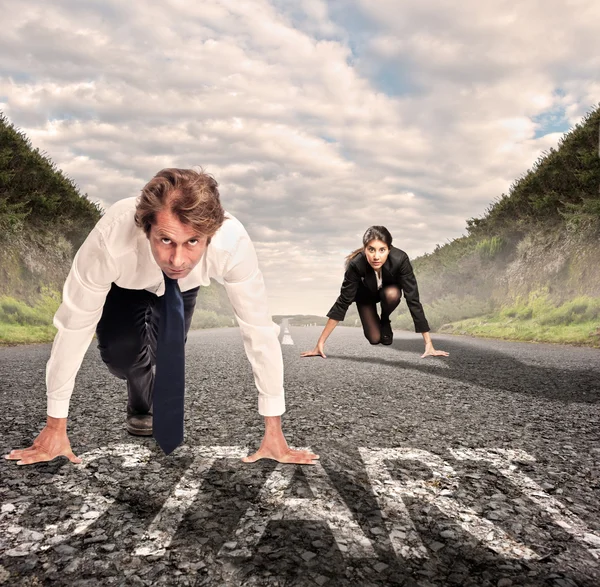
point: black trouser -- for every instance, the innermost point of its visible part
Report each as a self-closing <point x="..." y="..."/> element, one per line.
<point x="127" y="334"/>
<point x="366" y="303"/>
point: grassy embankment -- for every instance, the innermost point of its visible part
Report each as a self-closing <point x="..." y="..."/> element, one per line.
<point x="529" y="269"/>
<point x="43" y="219"/>
<point x="21" y="323"/>
<point x="539" y="319"/>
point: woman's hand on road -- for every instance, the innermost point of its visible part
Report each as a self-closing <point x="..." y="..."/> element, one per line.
<point x="431" y="352"/>
<point x="318" y="351"/>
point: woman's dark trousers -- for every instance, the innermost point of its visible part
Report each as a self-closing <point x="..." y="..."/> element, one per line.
<point x="366" y="303"/>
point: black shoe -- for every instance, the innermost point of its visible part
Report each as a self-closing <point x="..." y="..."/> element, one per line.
<point x="140" y="424"/>
<point x="387" y="336"/>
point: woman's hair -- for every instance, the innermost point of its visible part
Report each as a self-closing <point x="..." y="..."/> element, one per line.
<point x="380" y="233"/>
<point x="192" y="196"/>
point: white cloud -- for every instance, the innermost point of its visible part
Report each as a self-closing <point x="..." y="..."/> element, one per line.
<point x="289" y="106"/>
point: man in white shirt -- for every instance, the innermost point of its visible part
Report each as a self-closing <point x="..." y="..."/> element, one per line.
<point x="176" y="227"/>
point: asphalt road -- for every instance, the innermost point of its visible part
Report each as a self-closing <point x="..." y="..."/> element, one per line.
<point x="482" y="468"/>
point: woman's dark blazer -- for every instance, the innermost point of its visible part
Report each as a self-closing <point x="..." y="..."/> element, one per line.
<point x="396" y="270"/>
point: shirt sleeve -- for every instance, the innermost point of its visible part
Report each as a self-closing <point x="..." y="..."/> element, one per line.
<point x="246" y="290"/>
<point x="408" y="283"/>
<point x="347" y="294"/>
<point x="84" y="294"/>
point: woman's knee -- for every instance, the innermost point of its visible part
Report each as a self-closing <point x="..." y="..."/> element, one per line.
<point x="373" y="338"/>
<point x="390" y="295"/>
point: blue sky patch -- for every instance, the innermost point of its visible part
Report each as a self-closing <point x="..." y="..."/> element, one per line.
<point x="551" y="121"/>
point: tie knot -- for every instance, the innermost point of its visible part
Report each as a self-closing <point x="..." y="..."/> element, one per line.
<point x="169" y="280"/>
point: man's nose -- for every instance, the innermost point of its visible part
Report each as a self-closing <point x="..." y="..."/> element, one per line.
<point x="177" y="258"/>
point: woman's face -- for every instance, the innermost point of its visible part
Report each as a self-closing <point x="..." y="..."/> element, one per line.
<point x="376" y="252"/>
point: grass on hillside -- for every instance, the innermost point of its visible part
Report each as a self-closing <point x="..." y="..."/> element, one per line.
<point x="448" y="309"/>
<point x="21" y="323"/>
<point x="35" y="194"/>
<point x="25" y="334"/>
<point x="210" y="319"/>
<point x="538" y="319"/>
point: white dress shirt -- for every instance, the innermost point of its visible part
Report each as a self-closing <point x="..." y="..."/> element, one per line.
<point x="117" y="251"/>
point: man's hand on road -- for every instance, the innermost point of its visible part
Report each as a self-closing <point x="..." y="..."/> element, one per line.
<point x="274" y="446"/>
<point x="51" y="442"/>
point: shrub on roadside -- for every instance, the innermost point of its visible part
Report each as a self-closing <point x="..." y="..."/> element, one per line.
<point x="445" y="310"/>
<point x="210" y="319"/>
<point x="13" y="311"/>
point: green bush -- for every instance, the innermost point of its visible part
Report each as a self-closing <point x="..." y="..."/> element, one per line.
<point x="490" y="248"/>
<point x="210" y="319"/>
<point x="561" y="187"/>
<point x="13" y="311"/>
<point x="448" y="309"/>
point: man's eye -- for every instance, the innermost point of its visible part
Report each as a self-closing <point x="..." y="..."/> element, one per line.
<point x="165" y="241"/>
<point x="193" y="242"/>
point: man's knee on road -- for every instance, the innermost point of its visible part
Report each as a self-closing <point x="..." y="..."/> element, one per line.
<point x="122" y="354"/>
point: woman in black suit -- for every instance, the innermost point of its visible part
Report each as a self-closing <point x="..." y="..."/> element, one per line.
<point x="377" y="273"/>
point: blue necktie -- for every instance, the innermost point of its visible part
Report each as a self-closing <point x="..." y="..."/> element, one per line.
<point x="169" y="382"/>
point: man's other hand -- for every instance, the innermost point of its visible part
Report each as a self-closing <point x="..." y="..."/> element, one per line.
<point x="51" y="442"/>
<point x="274" y="446"/>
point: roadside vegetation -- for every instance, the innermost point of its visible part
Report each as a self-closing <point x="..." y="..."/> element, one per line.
<point x="529" y="269"/>
<point x="22" y="323"/>
<point x="536" y="318"/>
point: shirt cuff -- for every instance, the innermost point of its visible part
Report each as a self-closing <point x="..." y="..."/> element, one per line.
<point x="58" y="408"/>
<point x="271" y="405"/>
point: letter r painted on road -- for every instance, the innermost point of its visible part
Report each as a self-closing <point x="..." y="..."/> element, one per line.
<point x="505" y="461"/>
<point x="403" y="534"/>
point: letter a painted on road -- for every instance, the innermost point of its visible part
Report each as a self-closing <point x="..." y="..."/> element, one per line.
<point x="326" y="505"/>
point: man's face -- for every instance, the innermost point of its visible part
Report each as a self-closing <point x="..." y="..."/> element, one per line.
<point x="176" y="247"/>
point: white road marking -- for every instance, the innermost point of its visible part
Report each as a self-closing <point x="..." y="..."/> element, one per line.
<point x="95" y="504"/>
<point x="326" y="504"/>
<point x="400" y="526"/>
<point x="503" y="460"/>
<point x="287" y="337"/>
<point x="164" y="526"/>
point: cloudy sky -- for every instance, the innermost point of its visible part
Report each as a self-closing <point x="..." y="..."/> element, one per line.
<point x="317" y="118"/>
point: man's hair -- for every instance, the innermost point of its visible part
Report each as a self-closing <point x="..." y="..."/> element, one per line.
<point x="192" y="196"/>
